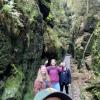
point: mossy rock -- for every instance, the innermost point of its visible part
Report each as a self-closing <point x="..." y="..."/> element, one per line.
<point x="96" y="49"/>
<point x="12" y="86"/>
<point x="5" y="52"/>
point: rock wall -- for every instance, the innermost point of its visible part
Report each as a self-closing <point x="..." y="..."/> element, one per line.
<point x="57" y="33"/>
<point x="21" y="44"/>
<point x="28" y="30"/>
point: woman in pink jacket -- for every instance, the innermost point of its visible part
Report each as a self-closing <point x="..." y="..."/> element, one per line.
<point x="53" y="72"/>
<point x="42" y="81"/>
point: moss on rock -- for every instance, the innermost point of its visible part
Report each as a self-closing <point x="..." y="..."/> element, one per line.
<point x="96" y="49"/>
<point x="21" y="36"/>
<point x="5" y="52"/>
<point x="13" y="86"/>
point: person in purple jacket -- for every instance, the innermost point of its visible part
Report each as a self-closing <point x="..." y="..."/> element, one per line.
<point x="53" y="72"/>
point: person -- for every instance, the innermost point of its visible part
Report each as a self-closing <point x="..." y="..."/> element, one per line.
<point x="42" y="81"/>
<point x="51" y="94"/>
<point x="65" y="77"/>
<point x="53" y="72"/>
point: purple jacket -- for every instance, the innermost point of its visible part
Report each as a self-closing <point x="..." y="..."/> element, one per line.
<point x="54" y="73"/>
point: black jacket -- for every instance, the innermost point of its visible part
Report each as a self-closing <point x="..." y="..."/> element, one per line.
<point x="65" y="76"/>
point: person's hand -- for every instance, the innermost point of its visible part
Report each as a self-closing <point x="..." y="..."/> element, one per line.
<point x="69" y="84"/>
<point x="46" y="62"/>
<point x="62" y="64"/>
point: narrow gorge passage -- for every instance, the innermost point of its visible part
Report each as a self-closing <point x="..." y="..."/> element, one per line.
<point x="32" y="31"/>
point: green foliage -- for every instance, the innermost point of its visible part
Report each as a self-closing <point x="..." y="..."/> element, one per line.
<point x="12" y="85"/>
<point x="76" y="22"/>
<point x="28" y="8"/>
<point x="5" y="52"/>
<point x="7" y="8"/>
<point x="50" y="17"/>
<point x="83" y="7"/>
<point x="57" y="11"/>
<point x="53" y="38"/>
<point x="96" y="93"/>
<point x="94" y="88"/>
<point x="29" y="95"/>
<point x="96" y="49"/>
<point x="77" y="6"/>
<point x="60" y="22"/>
<point x="95" y="84"/>
<point x="20" y="43"/>
<point x="12" y="16"/>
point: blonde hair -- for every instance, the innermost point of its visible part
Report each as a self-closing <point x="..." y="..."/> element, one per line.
<point x="40" y="76"/>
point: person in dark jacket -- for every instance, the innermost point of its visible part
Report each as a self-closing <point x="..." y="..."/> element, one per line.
<point x="65" y="77"/>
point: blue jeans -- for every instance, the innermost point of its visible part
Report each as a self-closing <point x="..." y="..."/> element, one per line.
<point x="56" y="86"/>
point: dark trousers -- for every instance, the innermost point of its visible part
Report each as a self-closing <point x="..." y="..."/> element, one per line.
<point x="62" y="87"/>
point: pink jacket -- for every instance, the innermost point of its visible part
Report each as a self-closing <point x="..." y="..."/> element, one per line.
<point x="54" y="73"/>
<point x="39" y="86"/>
